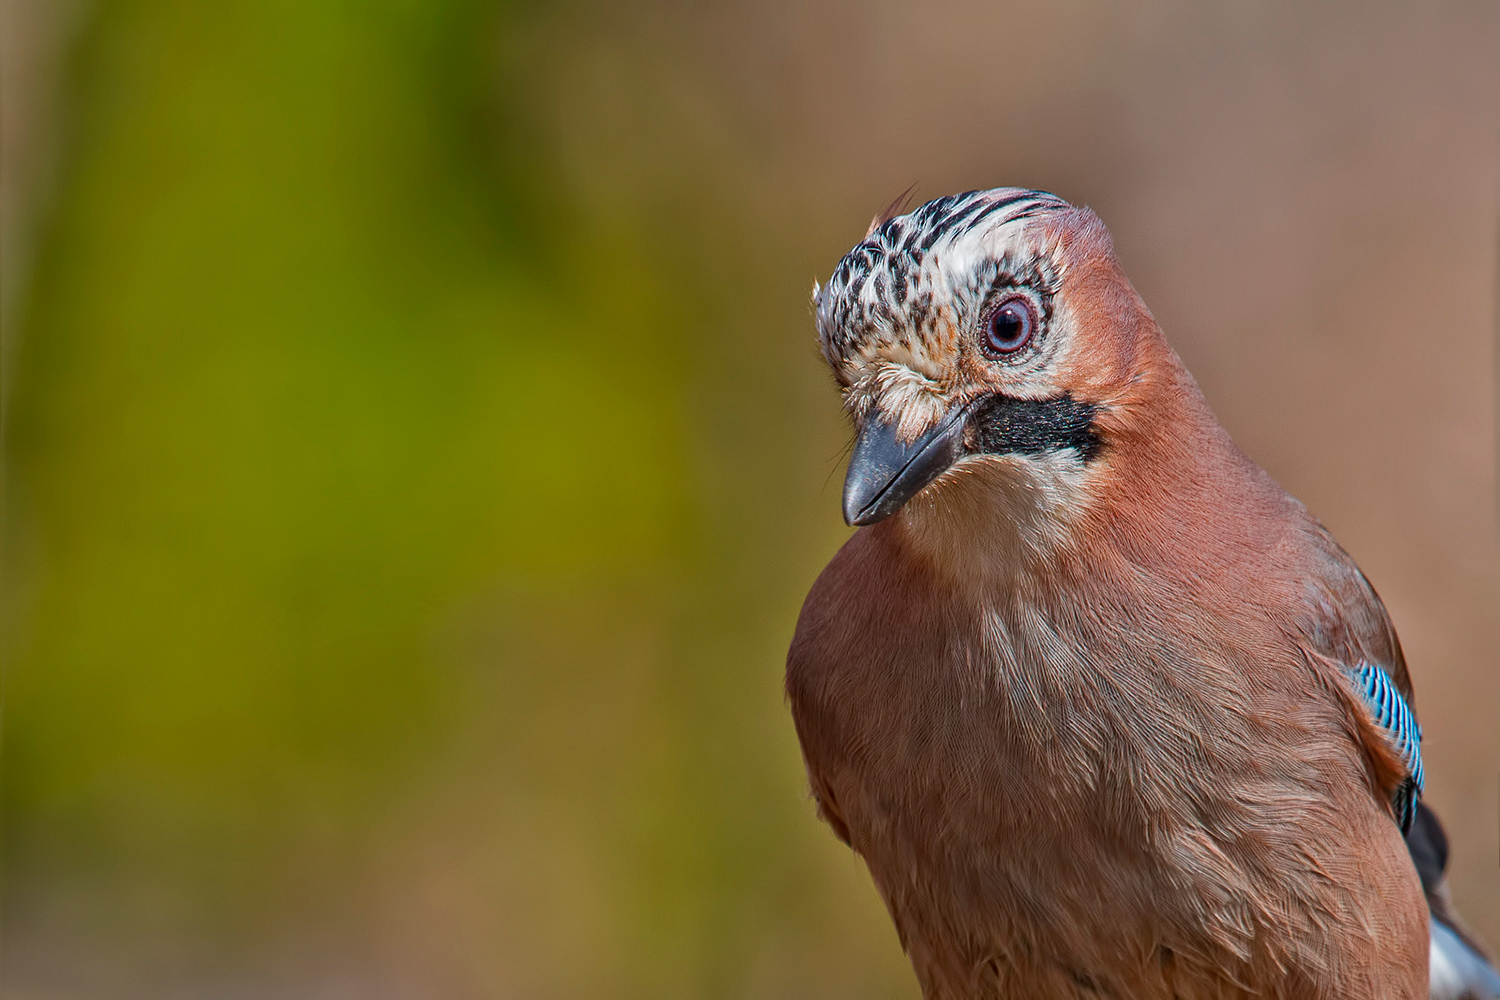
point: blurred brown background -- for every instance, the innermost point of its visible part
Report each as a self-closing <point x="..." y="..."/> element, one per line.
<point x="416" y="451"/>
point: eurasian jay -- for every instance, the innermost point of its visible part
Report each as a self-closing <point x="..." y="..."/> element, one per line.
<point x="1105" y="711"/>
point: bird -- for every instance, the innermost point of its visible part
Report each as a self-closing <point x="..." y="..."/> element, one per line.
<point x="1103" y="709"/>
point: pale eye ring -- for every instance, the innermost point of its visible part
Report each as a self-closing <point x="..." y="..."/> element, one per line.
<point x="1009" y="327"/>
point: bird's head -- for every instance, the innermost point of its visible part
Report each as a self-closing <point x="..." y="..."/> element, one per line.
<point x="987" y="338"/>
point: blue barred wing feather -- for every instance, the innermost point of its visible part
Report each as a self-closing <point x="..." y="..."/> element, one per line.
<point x="1393" y="715"/>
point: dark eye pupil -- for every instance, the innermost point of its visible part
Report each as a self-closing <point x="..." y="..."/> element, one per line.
<point x="1010" y="328"/>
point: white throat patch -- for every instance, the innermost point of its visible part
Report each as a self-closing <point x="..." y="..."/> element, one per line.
<point x="995" y="517"/>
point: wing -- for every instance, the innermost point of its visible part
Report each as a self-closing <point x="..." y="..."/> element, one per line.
<point x="1393" y="717"/>
<point x="1348" y="627"/>
<point x="1352" y="628"/>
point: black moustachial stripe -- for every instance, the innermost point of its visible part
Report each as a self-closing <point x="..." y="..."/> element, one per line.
<point x="1006" y="426"/>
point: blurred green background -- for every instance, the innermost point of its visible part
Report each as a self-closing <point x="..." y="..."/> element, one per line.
<point x="416" y="451"/>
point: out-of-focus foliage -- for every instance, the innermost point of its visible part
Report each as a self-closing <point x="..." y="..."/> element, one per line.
<point x="416" y="451"/>
<point x="377" y="587"/>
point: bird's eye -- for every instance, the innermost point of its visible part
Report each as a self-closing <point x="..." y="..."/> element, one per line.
<point x="1010" y="327"/>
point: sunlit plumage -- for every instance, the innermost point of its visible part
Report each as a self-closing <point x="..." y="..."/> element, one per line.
<point x="1105" y="711"/>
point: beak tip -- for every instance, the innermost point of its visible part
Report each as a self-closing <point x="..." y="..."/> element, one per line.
<point x="862" y="504"/>
<point x="863" y="517"/>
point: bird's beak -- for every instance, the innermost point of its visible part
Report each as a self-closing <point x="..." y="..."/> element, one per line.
<point x="885" y="472"/>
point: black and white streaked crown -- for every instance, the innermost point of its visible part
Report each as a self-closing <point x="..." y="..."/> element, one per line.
<point x="885" y="277"/>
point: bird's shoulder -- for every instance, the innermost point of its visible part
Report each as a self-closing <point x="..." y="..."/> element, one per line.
<point x="1344" y="618"/>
